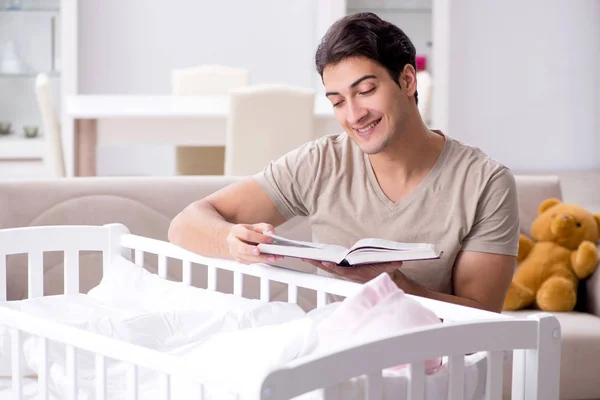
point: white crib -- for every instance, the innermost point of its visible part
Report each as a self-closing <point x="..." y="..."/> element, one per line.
<point x="535" y="341"/>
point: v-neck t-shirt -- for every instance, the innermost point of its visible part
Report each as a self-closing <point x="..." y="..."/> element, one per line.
<point x="466" y="202"/>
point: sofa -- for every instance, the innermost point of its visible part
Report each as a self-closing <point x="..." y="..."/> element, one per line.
<point x="146" y="205"/>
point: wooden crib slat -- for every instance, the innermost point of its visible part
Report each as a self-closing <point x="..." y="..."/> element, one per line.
<point x="43" y="370"/>
<point x="186" y="267"/>
<point x="238" y="283"/>
<point x="71" y="372"/>
<point x="100" y="377"/>
<point x="35" y="271"/>
<point x="292" y="294"/>
<point x="162" y="266"/>
<point x="71" y="272"/>
<point x="2" y="277"/>
<point x="321" y="298"/>
<point x="374" y="386"/>
<point x="132" y="382"/>
<point x="211" y="277"/>
<point x="17" y="388"/>
<point x="265" y="289"/>
<point x="493" y="387"/>
<point x="138" y="257"/>
<point x="456" y="378"/>
<point x="518" y="375"/>
<point x="416" y="384"/>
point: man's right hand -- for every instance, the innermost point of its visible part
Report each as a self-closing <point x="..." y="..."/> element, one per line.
<point x="243" y="240"/>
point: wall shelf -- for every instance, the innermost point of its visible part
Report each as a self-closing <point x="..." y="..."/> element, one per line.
<point x="29" y="9"/>
<point x="14" y="147"/>
<point x="28" y="75"/>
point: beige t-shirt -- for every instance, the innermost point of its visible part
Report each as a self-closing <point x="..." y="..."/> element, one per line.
<point x="467" y="202"/>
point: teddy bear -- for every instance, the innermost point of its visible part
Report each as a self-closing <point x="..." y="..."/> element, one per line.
<point x="563" y="251"/>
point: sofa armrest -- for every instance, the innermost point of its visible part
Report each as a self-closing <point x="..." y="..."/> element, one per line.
<point x="591" y="289"/>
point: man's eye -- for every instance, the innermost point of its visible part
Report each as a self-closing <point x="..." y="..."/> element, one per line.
<point x="338" y="103"/>
<point x="368" y="91"/>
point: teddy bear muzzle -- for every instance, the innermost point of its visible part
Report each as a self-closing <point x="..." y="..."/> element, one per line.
<point x="563" y="225"/>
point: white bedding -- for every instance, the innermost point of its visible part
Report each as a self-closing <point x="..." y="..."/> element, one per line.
<point x="224" y="337"/>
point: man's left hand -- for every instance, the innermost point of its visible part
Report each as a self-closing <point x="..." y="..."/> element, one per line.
<point x="360" y="273"/>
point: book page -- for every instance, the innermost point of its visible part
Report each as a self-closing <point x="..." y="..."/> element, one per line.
<point x="389" y="245"/>
<point x="281" y="241"/>
<point x="301" y="252"/>
<point x="333" y="251"/>
<point x="374" y="257"/>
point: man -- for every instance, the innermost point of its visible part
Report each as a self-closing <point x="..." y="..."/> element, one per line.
<point x="386" y="176"/>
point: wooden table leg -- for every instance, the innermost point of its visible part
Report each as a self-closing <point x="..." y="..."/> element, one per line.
<point x="85" y="147"/>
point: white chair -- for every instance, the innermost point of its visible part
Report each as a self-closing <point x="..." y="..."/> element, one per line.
<point x="204" y="80"/>
<point x="266" y="121"/>
<point x="54" y="158"/>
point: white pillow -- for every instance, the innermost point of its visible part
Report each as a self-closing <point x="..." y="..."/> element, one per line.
<point x="127" y="285"/>
<point x="72" y="309"/>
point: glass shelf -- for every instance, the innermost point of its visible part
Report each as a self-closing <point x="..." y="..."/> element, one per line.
<point x="4" y="9"/>
<point x="29" y="75"/>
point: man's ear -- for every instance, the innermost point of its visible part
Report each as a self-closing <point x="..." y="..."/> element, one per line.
<point x="408" y="80"/>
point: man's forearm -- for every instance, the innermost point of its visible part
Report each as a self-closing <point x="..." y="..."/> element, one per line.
<point x="201" y="229"/>
<point x="411" y="287"/>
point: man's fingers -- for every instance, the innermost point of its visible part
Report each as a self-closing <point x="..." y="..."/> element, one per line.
<point x="254" y="237"/>
<point x="253" y="253"/>
<point x="247" y="234"/>
<point x="316" y="263"/>
<point x="312" y="262"/>
<point x="263" y="227"/>
<point x="390" y="267"/>
<point x="247" y="249"/>
<point x="325" y="266"/>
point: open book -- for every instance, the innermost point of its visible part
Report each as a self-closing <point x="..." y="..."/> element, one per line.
<point x="365" y="251"/>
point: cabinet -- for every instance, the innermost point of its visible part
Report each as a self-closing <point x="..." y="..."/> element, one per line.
<point x="31" y="42"/>
<point x="416" y="19"/>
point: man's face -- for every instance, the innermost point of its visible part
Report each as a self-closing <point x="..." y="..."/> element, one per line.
<point x="368" y="104"/>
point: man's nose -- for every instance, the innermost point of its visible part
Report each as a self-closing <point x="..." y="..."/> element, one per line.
<point x="355" y="113"/>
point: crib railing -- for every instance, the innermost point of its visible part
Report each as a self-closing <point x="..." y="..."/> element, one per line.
<point x="294" y="279"/>
<point x="535" y="340"/>
<point x="76" y="340"/>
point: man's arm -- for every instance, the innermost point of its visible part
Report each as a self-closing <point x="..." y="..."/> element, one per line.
<point x="472" y="287"/>
<point x="484" y="267"/>
<point x="205" y="226"/>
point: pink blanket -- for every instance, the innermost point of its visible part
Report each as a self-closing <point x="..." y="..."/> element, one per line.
<point x="380" y="308"/>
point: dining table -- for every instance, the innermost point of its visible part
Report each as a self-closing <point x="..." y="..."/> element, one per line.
<point x="91" y="121"/>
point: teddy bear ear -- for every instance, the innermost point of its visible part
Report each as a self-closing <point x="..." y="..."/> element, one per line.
<point x="546" y="204"/>
<point x="597" y="218"/>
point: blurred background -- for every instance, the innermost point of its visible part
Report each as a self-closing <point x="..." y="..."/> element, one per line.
<point x="93" y="87"/>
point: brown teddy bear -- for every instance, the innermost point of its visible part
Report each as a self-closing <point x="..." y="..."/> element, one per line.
<point x="550" y="268"/>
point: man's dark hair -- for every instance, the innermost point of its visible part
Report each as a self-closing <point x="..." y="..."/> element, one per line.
<point x="366" y="35"/>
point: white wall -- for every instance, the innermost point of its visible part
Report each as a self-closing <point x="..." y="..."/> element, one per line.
<point x="522" y="81"/>
<point x="31" y="36"/>
<point x="130" y="47"/>
<point x="518" y="79"/>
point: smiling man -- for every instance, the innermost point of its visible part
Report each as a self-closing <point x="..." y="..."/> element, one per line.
<point x="387" y="175"/>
